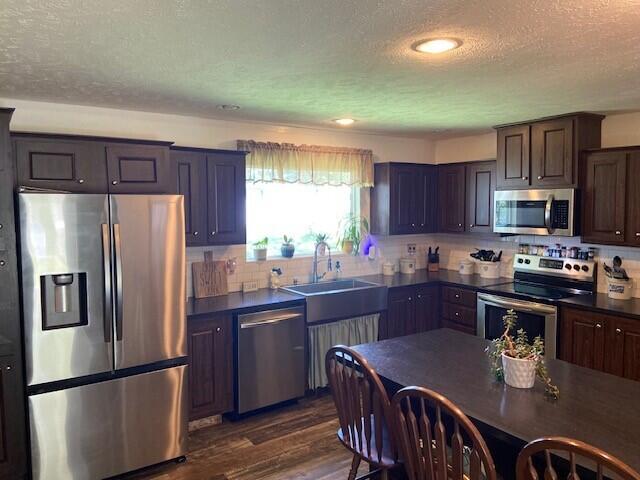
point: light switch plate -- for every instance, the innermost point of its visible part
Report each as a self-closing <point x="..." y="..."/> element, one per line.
<point x="250" y="286"/>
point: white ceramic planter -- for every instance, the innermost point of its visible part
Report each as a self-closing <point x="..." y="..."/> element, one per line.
<point x="519" y="373"/>
<point x="260" y="254"/>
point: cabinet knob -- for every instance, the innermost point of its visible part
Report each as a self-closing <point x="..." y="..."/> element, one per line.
<point x="1" y="229"/>
<point x="457" y="314"/>
<point x="618" y="331"/>
<point x="525" y="178"/>
<point x="539" y="177"/>
<point x="598" y="325"/>
<point x="2" y="263"/>
<point x="422" y="225"/>
<point x="457" y="295"/>
<point x="114" y="182"/>
<point x="419" y="296"/>
<point x="618" y="232"/>
<point x="213" y="233"/>
<point x="413" y="224"/>
<point x="218" y="330"/>
<point x="410" y="298"/>
<point x="81" y="181"/>
<point x="637" y="233"/>
<point x="459" y="224"/>
<point x="195" y="234"/>
<point x="471" y="225"/>
<point x="8" y="367"/>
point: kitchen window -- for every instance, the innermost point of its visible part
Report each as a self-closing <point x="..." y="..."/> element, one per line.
<point x="299" y="211"/>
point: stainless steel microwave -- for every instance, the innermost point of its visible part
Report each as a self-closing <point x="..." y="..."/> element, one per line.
<point x="535" y="212"/>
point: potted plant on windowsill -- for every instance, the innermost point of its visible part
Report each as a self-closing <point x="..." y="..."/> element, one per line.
<point x="516" y="361"/>
<point x="288" y="248"/>
<point x="260" y="249"/>
<point x="352" y="228"/>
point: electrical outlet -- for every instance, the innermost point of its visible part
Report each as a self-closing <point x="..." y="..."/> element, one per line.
<point x="250" y="286"/>
<point x="411" y="248"/>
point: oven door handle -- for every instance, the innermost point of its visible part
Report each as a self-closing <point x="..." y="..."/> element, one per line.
<point x="519" y="305"/>
<point x="547" y="213"/>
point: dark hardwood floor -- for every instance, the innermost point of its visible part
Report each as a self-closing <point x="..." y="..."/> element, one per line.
<point x="293" y="442"/>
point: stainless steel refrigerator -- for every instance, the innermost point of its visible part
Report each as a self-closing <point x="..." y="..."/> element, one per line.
<point x="103" y="283"/>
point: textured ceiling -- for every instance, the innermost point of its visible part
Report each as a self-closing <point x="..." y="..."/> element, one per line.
<point x="308" y="61"/>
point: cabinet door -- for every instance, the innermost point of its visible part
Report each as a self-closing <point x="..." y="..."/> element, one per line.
<point x="191" y="177"/>
<point x="210" y="366"/>
<point x="12" y="444"/>
<point x="552" y="155"/>
<point x="632" y="231"/>
<point x="623" y="348"/>
<point x="481" y="184"/>
<point x="451" y="197"/>
<point x="61" y="165"/>
<point x="604" y="197"/>
<point x="226" y="199"/>
<point x="513" y="157"/>
<point x="403" y="215"/>
<point x="426" y="199"/>
<point x="139" y="169"/>
<point x="427" y="308"/>
<point x="583" y="338"/>
<point x="400" y="312"/>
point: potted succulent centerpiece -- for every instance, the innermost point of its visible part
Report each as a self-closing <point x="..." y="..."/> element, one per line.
<point x="260" y="249"/>
<point x="516" y="361"/>
<point x="288" y="248"/>
<point x="352" y="229"/>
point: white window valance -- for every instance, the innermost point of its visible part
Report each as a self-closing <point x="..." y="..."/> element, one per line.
<point x="312" y="164"/>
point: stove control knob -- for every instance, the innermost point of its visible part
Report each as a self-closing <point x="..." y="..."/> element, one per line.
<point x="576" y="267"/>
<point x="585" y="268"/>
<point x="520" y="260"/>
<point x="527" y="261"/>
<point x="567" y="266"/>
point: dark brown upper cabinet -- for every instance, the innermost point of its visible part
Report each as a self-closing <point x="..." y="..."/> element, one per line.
<point x="604" y="197"/>
<point x="213" y="185"/>
<point x="513" y="156"/>
<point x="611" y="198"/>
<point x="403" y="200"/>
<point x="452" y="197"/>
<point x="544" y="153"/>
<point x="191" y="175"/>
<point x="481" y="185"/>
<point x="72" y="166"/>
<point x="139" y="169"/>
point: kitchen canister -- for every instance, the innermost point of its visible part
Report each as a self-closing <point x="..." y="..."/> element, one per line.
<point x="408" y="265"/>
<point x="466" y="267"/>
<point x="388" y="269"/>
<point x="489" y="269"/>
<point x="619" y="289"/>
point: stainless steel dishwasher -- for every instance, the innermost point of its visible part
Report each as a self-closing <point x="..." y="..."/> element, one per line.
<point x="271" y="358"/>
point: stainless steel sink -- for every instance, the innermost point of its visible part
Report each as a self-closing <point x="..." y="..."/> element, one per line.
<point x="333" y="300"/>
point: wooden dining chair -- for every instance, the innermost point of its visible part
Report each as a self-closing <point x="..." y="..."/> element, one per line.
<point x="604" y="465"/>
<point x="364" y="411"/>
<point x="437" y="441"/>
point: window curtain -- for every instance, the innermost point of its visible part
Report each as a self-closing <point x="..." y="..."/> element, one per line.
<point x="310" y="164"/>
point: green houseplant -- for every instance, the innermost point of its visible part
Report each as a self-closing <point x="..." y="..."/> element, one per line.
<point x="516" y="361"/>
<point x="350" y="233"/>
<point x="260" y="249"/>
<point x="288" y="248"/>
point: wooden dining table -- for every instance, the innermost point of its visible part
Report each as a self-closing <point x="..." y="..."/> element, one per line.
<point x="595" y="407"/>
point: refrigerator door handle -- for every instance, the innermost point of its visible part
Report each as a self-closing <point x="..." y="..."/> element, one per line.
<point x="106" y="265"/>
<point x="117" y="250"/>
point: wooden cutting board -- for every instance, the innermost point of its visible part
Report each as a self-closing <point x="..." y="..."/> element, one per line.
<point x="209" y="277"/>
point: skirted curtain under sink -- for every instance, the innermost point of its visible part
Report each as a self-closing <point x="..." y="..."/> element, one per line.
<point x="307" y="164"/>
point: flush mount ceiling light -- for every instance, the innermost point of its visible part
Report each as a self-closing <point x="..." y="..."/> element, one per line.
<point x="226" y="106"/>
<point x="436" y="45"/>
<point x="344" y="121"/>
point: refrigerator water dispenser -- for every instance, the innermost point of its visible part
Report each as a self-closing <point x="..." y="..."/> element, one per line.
<point x="64" y="300"/>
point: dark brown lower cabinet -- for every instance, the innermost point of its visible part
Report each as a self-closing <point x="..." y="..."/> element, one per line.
<point x="210" y="342"/>
<point x="459" y="309"/>
<point x="602" y="342"/>
<point x="411" y="310"/>
<point x="12" y="452"/>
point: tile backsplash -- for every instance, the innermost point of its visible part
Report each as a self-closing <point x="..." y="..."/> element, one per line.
<point x="453" y="248"/>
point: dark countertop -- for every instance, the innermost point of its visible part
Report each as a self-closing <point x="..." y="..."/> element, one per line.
<point x="594" y="407"/>
<point x="238" y="301"/>
<point x="6" y="347"/>
<point x="602" y="303"/>
<point x="422" y="277"/>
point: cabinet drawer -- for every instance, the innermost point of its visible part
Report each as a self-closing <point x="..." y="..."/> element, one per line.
<point x="459" y="296"/>
<point x="458" y="326"/>
<point x="459" y="314"/>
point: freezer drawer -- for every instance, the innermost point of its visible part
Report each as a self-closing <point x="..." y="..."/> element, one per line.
<point x="271" y="358"/>
<point x="108" y="428"/>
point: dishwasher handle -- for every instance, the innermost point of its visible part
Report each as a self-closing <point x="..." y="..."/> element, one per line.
<point x="271" y="320"/>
